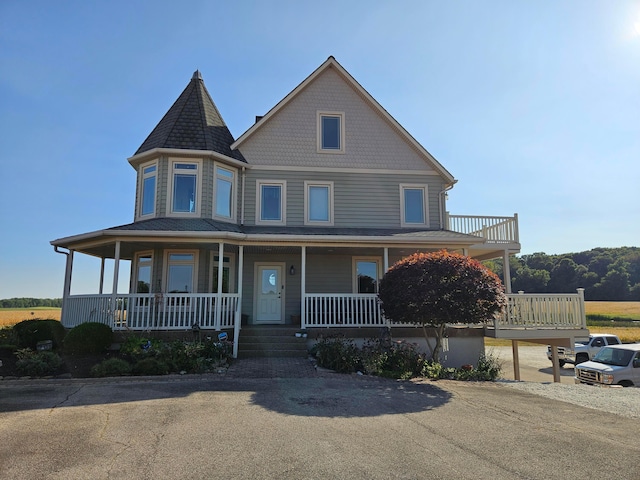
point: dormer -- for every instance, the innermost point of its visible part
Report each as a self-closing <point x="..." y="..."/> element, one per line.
<point x="186" y="167"/>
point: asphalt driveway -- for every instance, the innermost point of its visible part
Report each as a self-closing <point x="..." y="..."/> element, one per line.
<point x="322" y="426"/>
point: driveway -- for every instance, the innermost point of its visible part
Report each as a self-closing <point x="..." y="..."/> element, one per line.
<point x="534" y="364"/>
<point x="322" y="426"/>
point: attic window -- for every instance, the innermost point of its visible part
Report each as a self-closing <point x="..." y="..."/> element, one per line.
<point x="330" y="132"/>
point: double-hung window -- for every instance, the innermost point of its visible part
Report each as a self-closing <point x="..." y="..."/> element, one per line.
<point x="330" y="132"/>
<point x="367" y="272"/>
<point x="144" y="262"/>
<point x="413" y="205"/>
<point x="148" y="190"/>
<point x="185" y="186"/>
<point x="224" y="193"/>
<point x="181" y="272"/>
<point x="318" y="203"/>
<point x="271" y="206"/>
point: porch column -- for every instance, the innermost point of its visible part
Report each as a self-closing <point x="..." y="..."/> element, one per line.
<point x="238" y="319"/>
<point x="506" y="271"/>
<point x="66" y="291"/>
<point x="101" y="288"/>
<point x="219" y="292"/>
<point x="114" y="291"/>
<point x="386" y="259"/>
<point x="303" y="287"/>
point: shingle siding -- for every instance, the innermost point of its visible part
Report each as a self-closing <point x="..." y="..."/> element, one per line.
<point x="290" y="136"/>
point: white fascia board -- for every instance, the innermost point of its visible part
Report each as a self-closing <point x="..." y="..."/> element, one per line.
<point x="364" y="240"/>
<point x="177" y="152"/>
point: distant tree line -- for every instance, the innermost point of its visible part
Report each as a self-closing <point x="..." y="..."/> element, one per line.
<point x="606" y="274"/>
<point x="31" y="302"/>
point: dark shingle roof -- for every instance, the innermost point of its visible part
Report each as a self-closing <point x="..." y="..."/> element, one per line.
<point x="167" y="224"/>
<point x="192" y="123"/>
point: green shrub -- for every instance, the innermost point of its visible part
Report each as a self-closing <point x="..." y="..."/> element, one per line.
<point x="196" y="357"/>
<point x="337" y="353"/>
<point x="29" y="332"/>
<point x="488" y="369"/>
<point x="38" y="364"/>
<point x="138" y="347"/>
<point x="90" y="337"/>
<point x="111" y="368"/>
<point x="150" y="366"/>
<point x="391" y="359"/>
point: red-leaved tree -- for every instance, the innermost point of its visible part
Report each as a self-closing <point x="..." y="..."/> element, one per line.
<point x="434" y="289"/>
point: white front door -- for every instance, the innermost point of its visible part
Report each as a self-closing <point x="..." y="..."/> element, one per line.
<point x="270" y="289"/>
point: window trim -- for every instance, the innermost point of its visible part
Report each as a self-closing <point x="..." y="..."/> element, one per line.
<point x="198" y="196"/>
<point x="136" y="275"/>
<point x="324" y="113"/>
<point x="142" y="177"/>
<point x="234" y="187"/>
<point x="168" y="263"/>
<point x="307" y="198"/>
<point x="425" y="206"/>
<point x="283" y="202"/>
<point x="354" y="271"/>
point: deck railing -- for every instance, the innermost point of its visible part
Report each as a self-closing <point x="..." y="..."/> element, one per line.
<point x="544" y="311"/>
<point x="171" y="311"/>
<point x="492" y="229"/>
<point x="524" y="311"/>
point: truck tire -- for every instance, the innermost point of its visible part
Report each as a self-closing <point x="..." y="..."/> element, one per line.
<point x="561" y="363"/>
<point x="581" y="358"/>
<point x="626" y="383"/>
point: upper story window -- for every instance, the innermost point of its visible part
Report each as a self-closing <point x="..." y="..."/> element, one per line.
<point x="225" y="181"/>
<point x="185" y="181"/>
<point x="330" y="132"/>
<point x="148" y="190"/>
<point x="413" y="203"/>
<point x="318" y="203"/>
<point x="271" y="202"/>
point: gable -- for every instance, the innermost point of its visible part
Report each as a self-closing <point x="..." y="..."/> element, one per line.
<point x="288" y="135"/>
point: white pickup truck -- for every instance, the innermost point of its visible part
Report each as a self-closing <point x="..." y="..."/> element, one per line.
<point x="614" y="365"/>
<point x="584" y="350"/>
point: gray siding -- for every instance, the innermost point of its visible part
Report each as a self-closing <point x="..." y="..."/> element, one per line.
<point x="329" y="274"/>
<point x="360" y="199"/>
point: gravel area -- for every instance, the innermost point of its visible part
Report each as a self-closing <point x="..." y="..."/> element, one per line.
<point x="617" y="400"/>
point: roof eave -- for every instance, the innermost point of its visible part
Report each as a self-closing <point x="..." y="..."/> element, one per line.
<point x="136" y="160"/>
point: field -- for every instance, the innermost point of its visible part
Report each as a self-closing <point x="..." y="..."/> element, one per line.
<point x="629" y="310"/>
<point x="11" y="316"/>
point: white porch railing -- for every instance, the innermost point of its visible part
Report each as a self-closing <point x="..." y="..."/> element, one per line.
<point x="524" y="311"/>
<point x="171" y="311"/>
<point x="342" y="310"/>
<point x="493" y="229"/>
<point x="544" y="311"/>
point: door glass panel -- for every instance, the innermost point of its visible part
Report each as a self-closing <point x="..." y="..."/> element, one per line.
<point x="367" y="272"/>
<point x="269" y="281"/>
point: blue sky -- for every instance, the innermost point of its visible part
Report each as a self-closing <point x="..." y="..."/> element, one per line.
<point x="534" y="106"/>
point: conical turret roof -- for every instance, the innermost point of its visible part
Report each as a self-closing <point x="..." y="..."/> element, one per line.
<point x="192" y="123"/>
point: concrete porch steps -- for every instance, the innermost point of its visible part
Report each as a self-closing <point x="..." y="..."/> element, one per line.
<point x="271" y="341"/>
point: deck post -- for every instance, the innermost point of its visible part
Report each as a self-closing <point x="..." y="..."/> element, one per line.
<point x="506" y="271"/>
<point x="583" y="314"/>
<point x="556" y="363"/>
<point x="516" y="360"/>
<point x="66" y="292"/>
<point x="238" y="319"/>
<point x="303" y="287"/>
